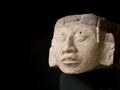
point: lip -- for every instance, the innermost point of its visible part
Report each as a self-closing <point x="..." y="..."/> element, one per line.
<point x="70" y="61"/>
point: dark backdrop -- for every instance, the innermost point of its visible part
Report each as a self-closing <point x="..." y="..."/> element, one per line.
<point x="42" y="20"/>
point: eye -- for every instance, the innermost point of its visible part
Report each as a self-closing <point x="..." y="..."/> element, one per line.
<point x="80" y="38"/>
<point x="60" y="37"/>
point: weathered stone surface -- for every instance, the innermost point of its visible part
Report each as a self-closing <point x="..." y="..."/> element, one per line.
<point x="82" y="43"/>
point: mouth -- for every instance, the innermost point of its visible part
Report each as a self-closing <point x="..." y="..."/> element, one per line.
<point x="70" y="61"/>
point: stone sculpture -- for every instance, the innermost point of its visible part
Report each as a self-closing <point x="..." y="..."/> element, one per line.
<point x="82" y="43"/>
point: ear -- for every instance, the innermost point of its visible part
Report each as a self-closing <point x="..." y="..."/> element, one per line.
<point x="108" y="50"/>
<point x="52" y="60"/>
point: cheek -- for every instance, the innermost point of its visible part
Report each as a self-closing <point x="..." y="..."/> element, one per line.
<point x="87" y="50"/>
<point x="88" y="55"/>
<point x="58" y="50"/>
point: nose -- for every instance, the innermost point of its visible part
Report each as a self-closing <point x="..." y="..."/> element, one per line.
<point x="69" y="46"/>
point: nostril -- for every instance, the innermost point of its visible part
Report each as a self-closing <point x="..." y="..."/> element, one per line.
<point x="69" y="50"/>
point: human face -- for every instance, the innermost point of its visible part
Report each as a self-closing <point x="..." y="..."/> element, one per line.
<point x="76" y="48"/>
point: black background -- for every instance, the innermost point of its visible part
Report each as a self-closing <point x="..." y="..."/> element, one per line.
<point x="42" y="17"/>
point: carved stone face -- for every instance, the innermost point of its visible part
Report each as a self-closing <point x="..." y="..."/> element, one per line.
<point x="76" y="48"/>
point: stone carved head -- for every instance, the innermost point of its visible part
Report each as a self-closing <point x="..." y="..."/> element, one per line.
<point x="82" y="43"/>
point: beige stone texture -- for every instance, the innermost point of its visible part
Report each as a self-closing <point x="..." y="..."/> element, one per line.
<point x="82" y="43"/>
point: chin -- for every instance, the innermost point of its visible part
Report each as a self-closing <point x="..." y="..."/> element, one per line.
<point x="73" y="71"/>
<point x="76" y="70"/>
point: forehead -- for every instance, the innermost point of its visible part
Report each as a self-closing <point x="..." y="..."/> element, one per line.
<point x="76" y="27"/>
